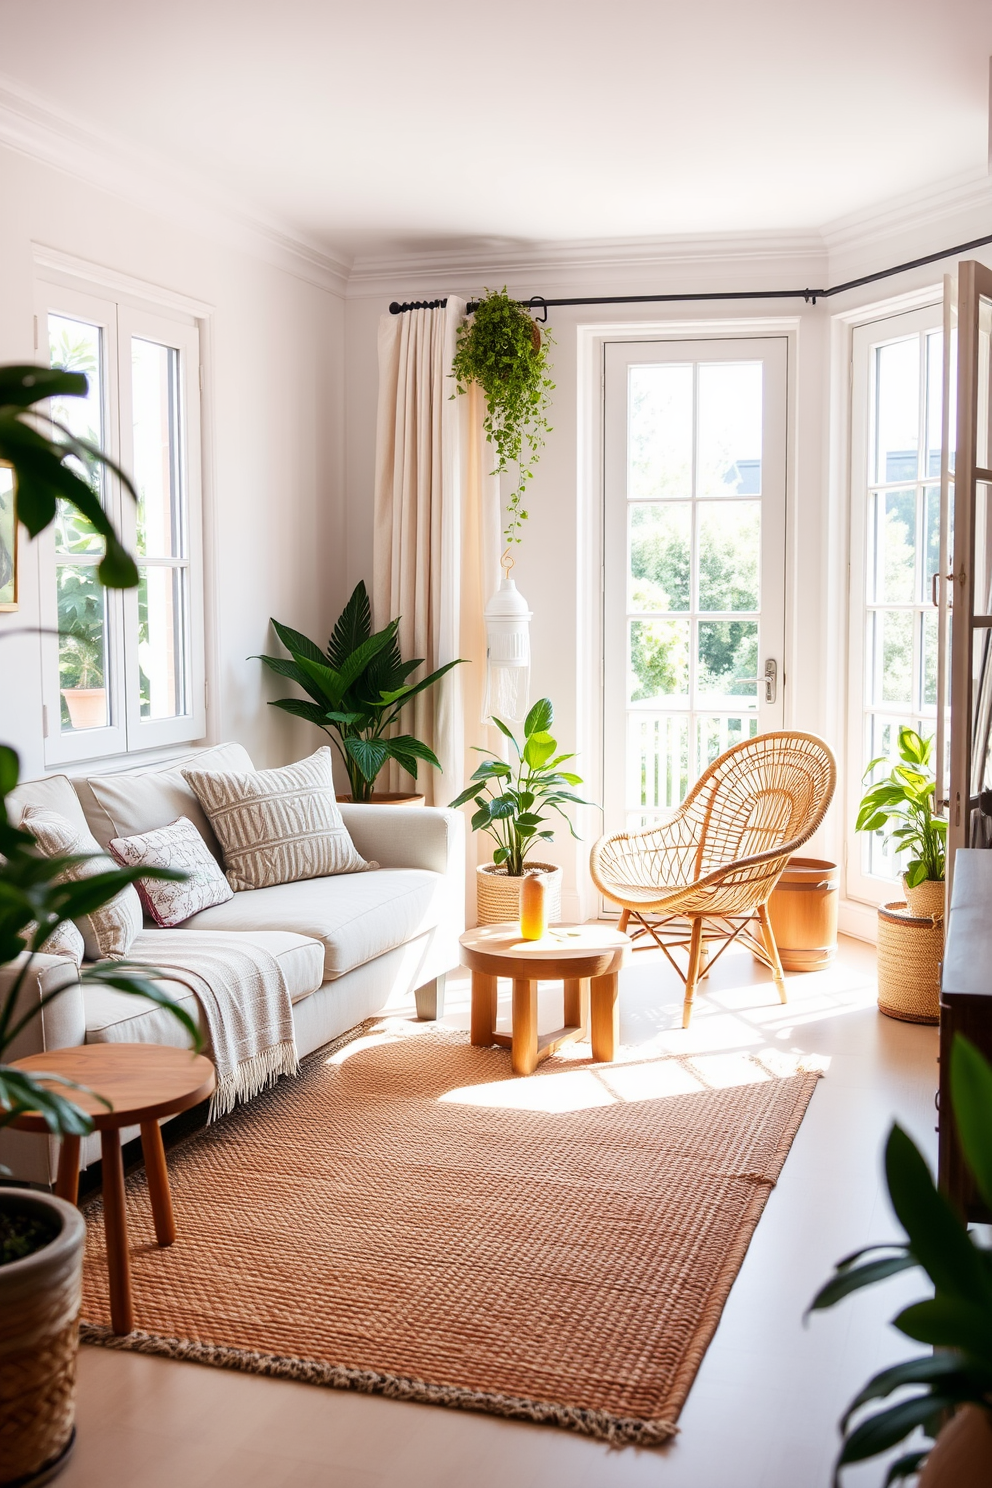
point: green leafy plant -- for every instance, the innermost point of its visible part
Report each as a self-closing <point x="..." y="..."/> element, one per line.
<point x="39" y="446"/>
<point x="33" y="903"/>
<point x="901" y="806"/>
<point x="957" y="1318"/>
<point x="501" y="349"/>
<point x="512" y="800"/>
<point x="357" y="690"/>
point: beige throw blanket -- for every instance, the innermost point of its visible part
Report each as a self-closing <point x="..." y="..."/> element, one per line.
<point x="245" y="1001"/>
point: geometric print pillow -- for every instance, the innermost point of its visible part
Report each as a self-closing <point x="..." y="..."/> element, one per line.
<point x="180" y="846"/>
<point x="278" y="826"/>
<point x="109" y="930"/>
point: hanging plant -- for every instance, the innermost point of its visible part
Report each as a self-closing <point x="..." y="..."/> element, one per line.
<point x="502" y="349"/>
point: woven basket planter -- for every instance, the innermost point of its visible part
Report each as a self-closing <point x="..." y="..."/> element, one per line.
<point x="927" y="899"/>
<point x="498" y="895"/>
<point x="39" y="1335"/>
<point x="910" y="949"/>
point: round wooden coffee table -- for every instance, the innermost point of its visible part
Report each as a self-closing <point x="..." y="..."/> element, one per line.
<point x="142" y="1082"/>
<point x="586" y="958"/>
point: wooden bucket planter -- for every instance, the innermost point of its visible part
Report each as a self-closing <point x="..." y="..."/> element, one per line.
<point x="803" y="912"/>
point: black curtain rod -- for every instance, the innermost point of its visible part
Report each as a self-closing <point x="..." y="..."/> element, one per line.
<point x="809" y="295"/>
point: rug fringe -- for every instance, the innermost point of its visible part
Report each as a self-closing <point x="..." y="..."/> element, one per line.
<point x="601" y="1425"/>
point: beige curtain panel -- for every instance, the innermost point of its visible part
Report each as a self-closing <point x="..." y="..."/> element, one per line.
<point x="436" y="544"/>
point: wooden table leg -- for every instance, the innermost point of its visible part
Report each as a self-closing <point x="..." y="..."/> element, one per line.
<point x="483" y="1007"/>
<point x="576" y="1004"/>
<point x="158" y="1182"/>
<point x="524" y="1050"/>
<point x="67" y="1182"/>
<point x="604" y="1017"/>
<point x="115" y="1225"/>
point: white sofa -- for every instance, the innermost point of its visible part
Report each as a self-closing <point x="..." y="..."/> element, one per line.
<point x="346" y="944"/>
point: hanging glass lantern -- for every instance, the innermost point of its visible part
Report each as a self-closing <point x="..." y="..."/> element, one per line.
<point x="508" y="620"/>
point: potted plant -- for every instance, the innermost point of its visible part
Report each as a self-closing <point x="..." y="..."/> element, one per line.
<point x="953" y="1386"/>
<point x="500" y="348"/>
<point x="357" y="690"/>
<point x="511" y="802"/>
<point x="41" y="1237"/>
<point x="901" y="806"/>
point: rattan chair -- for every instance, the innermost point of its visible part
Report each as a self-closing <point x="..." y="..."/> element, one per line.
<point x="705" y="875"/>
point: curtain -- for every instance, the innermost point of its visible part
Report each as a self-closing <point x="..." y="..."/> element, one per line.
<point x="436" y="535"/>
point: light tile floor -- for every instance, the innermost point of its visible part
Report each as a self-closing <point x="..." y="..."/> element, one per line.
<point x="763" y="1410"/>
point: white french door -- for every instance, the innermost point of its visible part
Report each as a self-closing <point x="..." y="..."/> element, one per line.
<point x="694" y="558"/>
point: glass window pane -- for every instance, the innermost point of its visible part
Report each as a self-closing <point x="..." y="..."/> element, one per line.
<point x="658" y="664"/>
<point x="657" y="759"/>
<point x="928" y="649"/>
<point x="716" y="735"/>
<point x="730" y="426"/>
<point x="8" y="536"/>
<point x="892" y="638"/>
<point x="660" y="563"/>
<point x="931" y="534"/>
<point x="892" y="575"/>
<point x="897" y="411"/>
<point x="728" y="659"/>
<point x="82" y="649"/>
<point x="935" y="387"/>
<point x="77" y="346"/>
<point x="155" y="385"/>
<point x="660" y="432"/>
<point x="162" y="642"/>
<point x="729" y="553"/>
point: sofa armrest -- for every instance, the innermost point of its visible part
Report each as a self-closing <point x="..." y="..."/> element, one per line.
<point x="408" y="836"/>
<point x="60" y="1025"/>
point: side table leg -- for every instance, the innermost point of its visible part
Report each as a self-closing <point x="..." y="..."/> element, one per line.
<point x="483" y="1008"/>
<point x="605" y="1017"/>
<point x="577" y="1004"/>
<point x="115" y="1222"/>
<point x="158" y="1182"/>
<point x="67" y="1181"/>
<point x="523" y="1055"/>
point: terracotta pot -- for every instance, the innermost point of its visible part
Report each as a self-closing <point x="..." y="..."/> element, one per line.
<point x="39" y="1337"/>
<point x="803" y="912"/>
<point x="962" y="1457"/>
<point x="498" y="895"/>
<point x="387" y="798"/>
<point x="87" y="706"/>
<point x="927" y="899"/>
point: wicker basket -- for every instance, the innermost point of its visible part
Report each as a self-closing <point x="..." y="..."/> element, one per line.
<point x="927" y="899"/>
<point x="498" y="895"/>
<point x="910" y="949"/>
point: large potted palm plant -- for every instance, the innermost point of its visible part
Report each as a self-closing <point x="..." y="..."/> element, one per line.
<point x="356" y="691"/>
<point x="41" y="1237"/>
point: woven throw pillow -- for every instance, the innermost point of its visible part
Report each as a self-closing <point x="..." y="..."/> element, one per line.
<point x="178" y="845"/>
<point x="65" y="940"/>
<point x="108" y="931"/>
<point x="278" y="826"/>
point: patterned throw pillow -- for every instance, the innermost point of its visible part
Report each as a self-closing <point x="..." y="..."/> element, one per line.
<point x="278" y="826"/>
<point x="108" y="931"/>
<point x="178" y="845"/>
<point x="65" y="940"/>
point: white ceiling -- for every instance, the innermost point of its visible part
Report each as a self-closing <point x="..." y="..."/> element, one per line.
<point x="391" y="126"/>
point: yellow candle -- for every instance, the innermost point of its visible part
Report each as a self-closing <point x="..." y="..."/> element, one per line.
<point x="533" y="908"/>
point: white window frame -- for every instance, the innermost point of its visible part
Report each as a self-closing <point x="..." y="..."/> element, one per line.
<point x="122" y="316"/>
<point x="867" y="337"/>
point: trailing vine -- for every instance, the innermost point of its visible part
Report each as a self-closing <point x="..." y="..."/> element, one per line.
<point x="502" y="349"/>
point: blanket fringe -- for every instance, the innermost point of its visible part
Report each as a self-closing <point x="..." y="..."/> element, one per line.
<point x="252" y="1076"/>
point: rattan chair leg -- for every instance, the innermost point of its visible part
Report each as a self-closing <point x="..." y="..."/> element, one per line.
<point x="768" y="936"/>
<point x="692" y="976"/>
<point x="624" y="920"/>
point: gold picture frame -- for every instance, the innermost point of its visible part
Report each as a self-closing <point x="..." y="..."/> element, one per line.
<point x="8" y="537"/>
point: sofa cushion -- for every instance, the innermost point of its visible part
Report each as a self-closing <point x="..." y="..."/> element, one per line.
<point x="117" y="1017"/>
<point x="52" y="793"/>
<point x="109" y="930"/>
<point x="356" y="916"/>
<point x="278" y="826"/>
<point x="134" y="801"/>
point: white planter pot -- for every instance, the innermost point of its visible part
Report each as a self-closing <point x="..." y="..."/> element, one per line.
<point x="39" y="1338"/>
<point x="498" y="895"/>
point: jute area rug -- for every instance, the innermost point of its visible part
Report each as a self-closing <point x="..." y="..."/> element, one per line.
<point x="408" y="1219"/>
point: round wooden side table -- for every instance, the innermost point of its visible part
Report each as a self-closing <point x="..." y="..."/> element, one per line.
<point x="586" y="958"/>
<point x="142" y="1082"/>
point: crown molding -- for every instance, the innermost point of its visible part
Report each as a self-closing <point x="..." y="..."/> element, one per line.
<point x="35" y="127"/>
<point x="960" y="197"/>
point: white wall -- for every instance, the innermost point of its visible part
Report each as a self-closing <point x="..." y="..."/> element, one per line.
<point x="550" y="569"/>
<point x="273" y="442"/>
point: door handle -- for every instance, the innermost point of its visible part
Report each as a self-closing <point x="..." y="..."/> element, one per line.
<point x="771" y="679"/>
